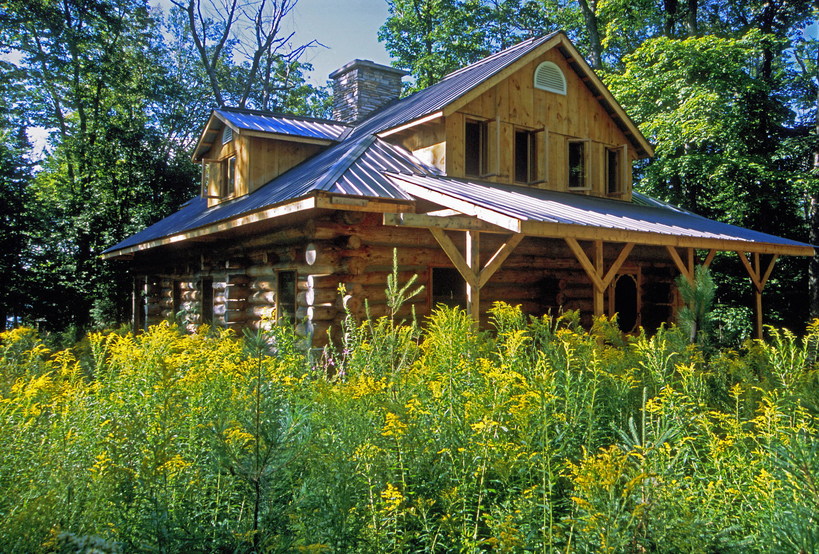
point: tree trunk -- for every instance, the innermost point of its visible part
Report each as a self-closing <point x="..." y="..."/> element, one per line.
<point x="691" y="18"/>
<point x="595" y="47"/>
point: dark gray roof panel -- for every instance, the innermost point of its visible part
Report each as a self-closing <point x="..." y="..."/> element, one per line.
<point x="649" y="215"/>
<point x="284" y="124"/>
<point x="446" y="91"/>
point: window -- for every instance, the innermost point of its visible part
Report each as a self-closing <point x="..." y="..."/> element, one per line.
<point x="286" y="297"/>
<point x="578" y="166"/>
<point x="448" y="287"/>
<point x="207" y="177"/>
<point x="229" y="177"/>
<point x="548" y="76"/>
<point x="206" y="307"/>
<point x="525" y="156"/>
<point x="475" y="146"/>
<point x="626" y="302"/>
<point x="176" y="302"/>
<point x="616" y="167"/>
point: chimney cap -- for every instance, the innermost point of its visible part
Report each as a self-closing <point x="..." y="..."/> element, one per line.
<point x="355" y="64"/>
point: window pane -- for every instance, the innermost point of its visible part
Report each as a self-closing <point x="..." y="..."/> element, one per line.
<point x="522" y="156"/>
<point x="577" y="165"/>
<point x="286" y="297"/>
<point x="475" y="148"/>
<point x="613" y="171"/>
<point x="207" y="300"/>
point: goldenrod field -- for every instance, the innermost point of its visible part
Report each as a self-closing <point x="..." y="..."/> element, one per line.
<point x="536" y="436"/>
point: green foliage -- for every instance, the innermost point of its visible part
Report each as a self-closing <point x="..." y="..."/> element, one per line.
<point x="538" y="436"/>
<point x="694" y="317"/>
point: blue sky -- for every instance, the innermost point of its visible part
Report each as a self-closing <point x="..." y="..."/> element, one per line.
<point x="349" y="29"/>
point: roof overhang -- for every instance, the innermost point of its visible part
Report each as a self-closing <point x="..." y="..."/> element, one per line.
<point x="477" y="216"/>
<point x="315" y="200"/>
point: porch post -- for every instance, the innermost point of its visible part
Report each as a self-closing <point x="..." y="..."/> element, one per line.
<point x="759" y="280"/>
<point x="473" y="261"/>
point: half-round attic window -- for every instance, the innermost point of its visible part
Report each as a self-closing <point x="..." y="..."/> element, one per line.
<point x="549" y="77"/>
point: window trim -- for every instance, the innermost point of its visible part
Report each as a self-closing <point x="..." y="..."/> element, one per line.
<point x="228" y="184"/>
<point x="622" y="156"/>
<point x="587" y="147"/>
<point x="483" y="147"/>
<point x="279" y="312"/>
<point x="536" y="162"/>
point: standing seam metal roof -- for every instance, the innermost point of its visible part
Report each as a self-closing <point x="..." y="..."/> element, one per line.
<point x="646" y="215"/>
<point x="307" y="127"/>
<point x="354" y="167"/>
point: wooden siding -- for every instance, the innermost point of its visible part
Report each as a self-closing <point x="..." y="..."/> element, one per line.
<point x="516" y="104"/>
<point x="258" y="161"/>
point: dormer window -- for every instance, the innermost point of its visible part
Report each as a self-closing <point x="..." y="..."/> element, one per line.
<point x="229" y="177"/>
<point x="525" y="156"/>
<point x="615" y="170"/>
<point x="475" y="148"/>
<point x="578" y="167"/>
<point x="549" y="77"/>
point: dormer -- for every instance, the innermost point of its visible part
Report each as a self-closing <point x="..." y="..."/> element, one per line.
<point x="242" y="150"/>
<point x="545" y="121"/>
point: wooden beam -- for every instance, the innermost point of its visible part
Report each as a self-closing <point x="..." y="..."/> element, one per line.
<point x="454" y="223"/>
<point x="675" y="256"/>
<point x="618" y="263"/>
<point x="759" y="279"/>
<point x="769" y="270"/>
<point x="709" y="258"/>
<point x="599" y="308"/>
<point x="455" y="256"/>
<point x="473" y="261"/>
<point x="581" y="256"/>
<point x="467" y="208"/>
<point x="498" y="258"/>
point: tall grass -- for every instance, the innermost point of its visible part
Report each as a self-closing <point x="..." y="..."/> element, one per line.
<point x="536" y="436"/>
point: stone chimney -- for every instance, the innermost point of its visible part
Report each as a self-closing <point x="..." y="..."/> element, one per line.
<point x="361" y="87"/>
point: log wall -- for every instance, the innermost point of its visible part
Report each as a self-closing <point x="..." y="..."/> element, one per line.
<point x="342" y="263"/>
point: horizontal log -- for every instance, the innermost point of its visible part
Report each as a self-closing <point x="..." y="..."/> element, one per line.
<point x="322" y="313"/>
<point x="315" y="296"/>
<point x="265" y="298"/>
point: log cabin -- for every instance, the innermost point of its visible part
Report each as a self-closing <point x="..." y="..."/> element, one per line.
<point x="510" y="179"/>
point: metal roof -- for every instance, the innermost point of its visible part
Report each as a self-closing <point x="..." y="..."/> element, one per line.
<point x="282" y="124"/>
<point x="353" y="167"/>
<point x="645" y="215"/>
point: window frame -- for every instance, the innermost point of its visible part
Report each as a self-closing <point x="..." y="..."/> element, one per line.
<point x="587" y="169"/>
<point x="206" y="300"/>
<point x="228" y="185"/>
<point x="533" y="164"/>
<point x="621" y="153"/>
<point x="482" y="147"/>
<point x="280" y="311"/>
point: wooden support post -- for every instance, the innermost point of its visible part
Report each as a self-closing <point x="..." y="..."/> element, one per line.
<point x="470" y="267"/>
<point x="595" y="271"/>
<point x="473" y="260"/>
<point x="598" y="269"/>
<point x="759" y="279"/>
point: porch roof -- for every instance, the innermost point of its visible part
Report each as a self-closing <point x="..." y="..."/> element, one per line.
<point x="538" y="212"/>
